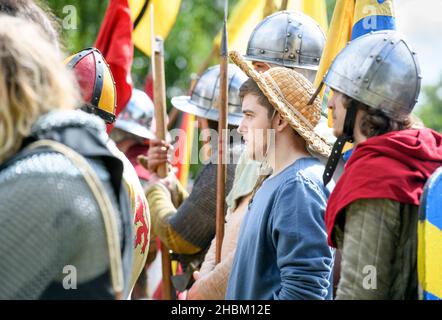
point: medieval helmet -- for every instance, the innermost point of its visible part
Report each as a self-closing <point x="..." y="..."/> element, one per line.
<point x="379" y="70"/>
<point x="289" y="39"/>
<point x="96" y="82"/>
<point x="203" y="101"/>
<point x="137" y="117"/>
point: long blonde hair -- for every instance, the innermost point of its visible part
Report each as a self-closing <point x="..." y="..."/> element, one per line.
<point x="33" y="81"/>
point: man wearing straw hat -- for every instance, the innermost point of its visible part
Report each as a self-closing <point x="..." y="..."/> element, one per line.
<point x="283" y="233"/>
<point x="296" y="42"/>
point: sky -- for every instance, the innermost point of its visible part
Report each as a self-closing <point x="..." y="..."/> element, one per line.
<point x="421" y="23"/>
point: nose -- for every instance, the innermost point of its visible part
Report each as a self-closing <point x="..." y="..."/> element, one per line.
<point x="241" y="127"/>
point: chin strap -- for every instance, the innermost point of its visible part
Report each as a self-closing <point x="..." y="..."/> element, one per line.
<point x="347" y="136"/>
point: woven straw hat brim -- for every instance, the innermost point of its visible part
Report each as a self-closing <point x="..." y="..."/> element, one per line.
<point x="296" y="120"/>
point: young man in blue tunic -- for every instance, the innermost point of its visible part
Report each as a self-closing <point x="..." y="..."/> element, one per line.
<point x="282" y="250"/>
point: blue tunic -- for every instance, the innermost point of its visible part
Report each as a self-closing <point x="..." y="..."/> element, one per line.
<point x="282" y="250"/>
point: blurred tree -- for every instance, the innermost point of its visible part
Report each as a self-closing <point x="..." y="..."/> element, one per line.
<point x="186" y="46"/>
<point x="86" y="15"/>
<point x="330" y="7"/>
<point x="430" y="110"/>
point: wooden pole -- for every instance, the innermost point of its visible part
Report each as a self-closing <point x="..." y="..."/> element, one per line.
<point x="166" y="266"/>
<point x="159" y="86"/>
<point x="222" y="140"/>
<point x="284" y="4"/>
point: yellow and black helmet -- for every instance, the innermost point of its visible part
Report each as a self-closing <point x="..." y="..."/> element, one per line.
<point x="96" y="82"/>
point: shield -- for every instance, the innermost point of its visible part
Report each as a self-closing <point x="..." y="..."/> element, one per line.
<point x="430" y="239"/>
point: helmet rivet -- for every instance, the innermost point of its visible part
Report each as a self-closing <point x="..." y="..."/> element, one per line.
<point x="261" y="51"/>
<point x="366" y="80"/>
<point x="378" y="59"/>
<point x="317" y="59"/>
<point x="371" y="56"/>
<point x="299" y="36"/>
<point x="290" y="21"/>
<point x="99" y="76"/>
<point x="292" y="56"/>
<point x="419" y="76"/>
<point x="413" y="53"/>
<point x="298" y="51"/>
<point x="286" y="49"/>
<point x="392" y="42"/>
<point x="288" y="34"/>
<point x="385" y="39"/>
<point x="99" y="61"/>
<point x="356" y="91"/>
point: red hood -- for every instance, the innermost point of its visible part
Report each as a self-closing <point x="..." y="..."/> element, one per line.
<point x="392" y="166"/>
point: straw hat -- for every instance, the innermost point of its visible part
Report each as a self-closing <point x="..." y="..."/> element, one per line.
<point x="289" y="92"/>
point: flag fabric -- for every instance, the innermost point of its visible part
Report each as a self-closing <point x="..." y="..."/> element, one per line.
<point x="242" y="20"/>
<point x="372" y="15"/>
<point x="352" y="19"/>
<point x="187" y="125"/>
<point x="316" y="9"/>
<point x="114" y="40"/>
<point x="165" y="13"/>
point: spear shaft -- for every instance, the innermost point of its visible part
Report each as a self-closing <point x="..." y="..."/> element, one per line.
<point x="159" y="85"/>
<point x="222" y="139"/>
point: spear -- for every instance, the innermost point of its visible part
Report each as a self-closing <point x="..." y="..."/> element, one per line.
<point x="159" y="84"/>
<point x="284" y="4"/>
<point x="222" y="139"/>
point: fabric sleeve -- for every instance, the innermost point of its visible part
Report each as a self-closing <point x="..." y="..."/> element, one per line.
<point x="161" y="210"/>
<point x="298" y="232"/>
<point x="213" y="286"/>
<point x="194" y="219"/>
<point x="371" y="236"/>
<point x="209" y="259"/>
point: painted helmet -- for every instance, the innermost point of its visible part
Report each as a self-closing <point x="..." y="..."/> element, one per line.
<point x="96" y="82"/>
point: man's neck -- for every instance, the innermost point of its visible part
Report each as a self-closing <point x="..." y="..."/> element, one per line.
<point x="285" y="153"/>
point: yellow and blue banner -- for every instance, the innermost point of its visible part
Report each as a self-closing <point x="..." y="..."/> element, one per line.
<point x="372" y="15"/>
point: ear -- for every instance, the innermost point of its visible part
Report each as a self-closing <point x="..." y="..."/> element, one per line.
<point x="279" y="123"/>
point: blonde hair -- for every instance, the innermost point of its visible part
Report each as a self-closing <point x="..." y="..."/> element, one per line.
<point x="33" y="81"/>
